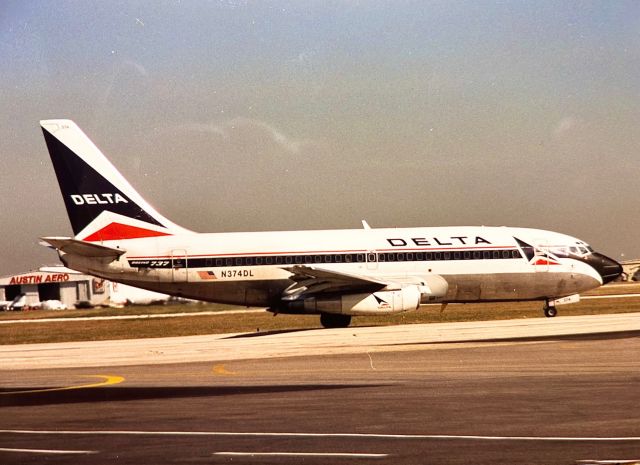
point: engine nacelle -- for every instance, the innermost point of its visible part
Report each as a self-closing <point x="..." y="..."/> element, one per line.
<point x="434" y="289"/>
<point x="378" y="303"/>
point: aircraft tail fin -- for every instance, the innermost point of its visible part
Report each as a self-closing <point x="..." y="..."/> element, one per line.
<point x="100" y="202"/>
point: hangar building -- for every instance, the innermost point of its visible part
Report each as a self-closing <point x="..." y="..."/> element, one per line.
<point x="70" y="287"/>
<point x="55" y="283"/>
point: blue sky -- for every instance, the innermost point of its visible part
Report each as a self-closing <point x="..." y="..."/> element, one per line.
<point x="236" y="115"/>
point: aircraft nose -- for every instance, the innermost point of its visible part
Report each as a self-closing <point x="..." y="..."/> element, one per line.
<point x="608" y="268"/>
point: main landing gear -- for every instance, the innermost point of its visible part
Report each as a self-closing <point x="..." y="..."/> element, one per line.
<point x="334" y="320"/>
<point x="550" y="309"/>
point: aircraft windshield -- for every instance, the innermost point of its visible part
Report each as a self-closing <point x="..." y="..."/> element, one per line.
<point x="579" y="248"/>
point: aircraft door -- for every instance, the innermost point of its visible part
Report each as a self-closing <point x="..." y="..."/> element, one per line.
<point x="541" y="260"/>
<point x="179" y="268"/>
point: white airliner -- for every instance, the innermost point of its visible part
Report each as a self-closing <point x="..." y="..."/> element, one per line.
<point x="336" y="273"/>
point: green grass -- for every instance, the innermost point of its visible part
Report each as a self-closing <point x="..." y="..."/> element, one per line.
<point x="264" y="321"/>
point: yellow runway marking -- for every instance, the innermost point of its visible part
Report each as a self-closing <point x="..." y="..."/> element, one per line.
<point x="222" y="370"/>
<point x="107" y="381"/>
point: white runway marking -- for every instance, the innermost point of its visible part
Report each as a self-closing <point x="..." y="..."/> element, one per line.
<point x="326" y="435"/>
<point x="608" y="462"/>
<point x="302" y="454"/>
<point x="609" y="296"/>
<point x="48" y="451"/>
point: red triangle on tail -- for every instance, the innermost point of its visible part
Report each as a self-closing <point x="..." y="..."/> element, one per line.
<point x="117" y="231"/>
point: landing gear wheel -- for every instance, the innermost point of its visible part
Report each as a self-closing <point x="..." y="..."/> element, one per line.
<point x="331" y="320"/>
<point x="550" y="311"/>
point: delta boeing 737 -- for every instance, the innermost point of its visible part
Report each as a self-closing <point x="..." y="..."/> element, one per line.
<point x="336" y="274"/>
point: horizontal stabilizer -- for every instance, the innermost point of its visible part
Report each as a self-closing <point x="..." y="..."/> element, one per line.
<point x="82" y="248"/>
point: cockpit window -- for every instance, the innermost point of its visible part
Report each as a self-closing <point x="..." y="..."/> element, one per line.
<point x="560" y="251"/>
<point x="566" y="250"/>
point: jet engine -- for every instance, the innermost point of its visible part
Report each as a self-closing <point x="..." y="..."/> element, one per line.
<point x="377" y="303"/>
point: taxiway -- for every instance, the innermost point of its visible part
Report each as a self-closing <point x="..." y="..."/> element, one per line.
<point x="481" y="393"/>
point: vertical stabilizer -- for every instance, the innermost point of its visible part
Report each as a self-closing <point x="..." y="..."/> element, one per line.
<point x="100" y="202"/>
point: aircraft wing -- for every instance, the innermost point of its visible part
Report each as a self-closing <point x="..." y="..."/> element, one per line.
<point x="309" y="280"/>
<point x="82" y="248"/>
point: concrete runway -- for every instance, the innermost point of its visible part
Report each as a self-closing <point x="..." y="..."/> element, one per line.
<point x="481" y="393"/>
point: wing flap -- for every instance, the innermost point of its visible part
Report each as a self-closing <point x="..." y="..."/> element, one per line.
<point x="310" y="281"/>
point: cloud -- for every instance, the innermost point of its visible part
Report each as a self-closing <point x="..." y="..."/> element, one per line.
<point x="225" y="130"/>
<point x="565" y="125"/>
<point x="142" y="71"/>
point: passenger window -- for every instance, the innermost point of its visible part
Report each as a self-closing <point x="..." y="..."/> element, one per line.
<point x="371" y="257"/>
<point x="496" y="254"/>
<point x="476" y="255"/>
<point x="410" y="256"/>
<point x="467" y="255"/>
<point x="338" y="258"/>
<point x="238" y="261"/>
<point x="400" y="256"/>
<point x="218" y="262"/>
<point x="348" y="258"/>
<point x="447" y="255"/>
<point x="456" y="255"/>
<point x="420" y="256"/>
<point x="360" y="257"/>
<point x="229" y="261"/>
<point x="486" y="255"/>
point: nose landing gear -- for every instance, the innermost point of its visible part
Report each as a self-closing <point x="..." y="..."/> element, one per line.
<point x="550" y="309"/>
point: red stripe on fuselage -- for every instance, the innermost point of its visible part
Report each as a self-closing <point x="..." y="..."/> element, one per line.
<point x="117" y="231"/>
